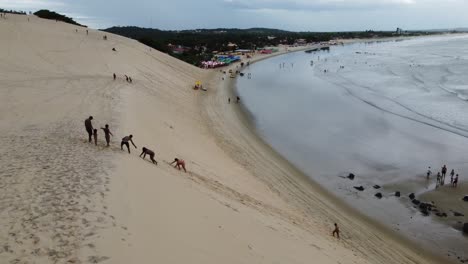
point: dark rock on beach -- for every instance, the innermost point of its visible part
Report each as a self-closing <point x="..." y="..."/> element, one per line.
<point x="378" y="195"/>
<point x="457" y="214"/>
<point x="411" y="196"/>
<point x="359" y="188"/>
<point x="376" y="186"/>
<point x="465" y="228"/>
<point x="465" y="198"/>
<point x="416" y="202"/>
<point x="351" y="176"/>
<point x="441" y="214"/>
<point x="397" y="194"/>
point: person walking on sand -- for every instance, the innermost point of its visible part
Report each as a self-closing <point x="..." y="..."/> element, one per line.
<point x="229" y="100"/>
<point x="336" y="231"/>
<point x="89" y="127"/>
<point x="107" y="134"/>
<point x="455" y="181"/>
<point x="179" y="163"/>
<point x="150" y="153"/>
<point x="115" y="76"/>
<point x="95" y="136"/>
<point x="452" y="173"/>
<point x="429" y="173"/>
<point x="125" y="141"/>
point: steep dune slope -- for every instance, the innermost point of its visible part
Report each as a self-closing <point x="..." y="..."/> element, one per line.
<point x="64" y="200"/>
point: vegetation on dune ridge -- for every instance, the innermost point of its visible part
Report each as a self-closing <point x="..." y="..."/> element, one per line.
<point x="12" y="12"/>
<point x="47" y="14"/>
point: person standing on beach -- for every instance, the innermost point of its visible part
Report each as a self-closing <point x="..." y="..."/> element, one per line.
<point x="107" y="133"/>
<point x="455" y="182"/>
<point x="452" y="173"/>
<point x="336" y="231"/>
<point x="95" y="136"/>
<point x="125" y="141"/>
<point x="444" y="171"/>
<point x="89" y="127"/>
<point x="115" y="76"/>
<point x="179" y="163"/>
<point x="238" y="99"/>
<point x="150" y="153"/>
<point x="438" y="179"/>
<point x="229" y="100"/>
<point x="429" y="173"/>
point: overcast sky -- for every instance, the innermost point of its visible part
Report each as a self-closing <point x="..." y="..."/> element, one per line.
<point x="296" y="15"/>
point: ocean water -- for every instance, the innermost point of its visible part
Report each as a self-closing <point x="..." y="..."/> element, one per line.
<point x="384" y="111"/>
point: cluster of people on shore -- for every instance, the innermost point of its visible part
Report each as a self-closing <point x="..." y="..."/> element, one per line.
<point x="441" y="177"/>
<point x="93" y="134"/>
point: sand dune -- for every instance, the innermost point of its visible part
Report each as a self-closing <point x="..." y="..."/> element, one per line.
<point x="64" y="200"/>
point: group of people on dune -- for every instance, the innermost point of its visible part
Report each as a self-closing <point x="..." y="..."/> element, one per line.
<point x="93" y="134"/>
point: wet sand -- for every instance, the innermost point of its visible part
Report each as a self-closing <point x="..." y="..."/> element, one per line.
<point x="340" y="123"/>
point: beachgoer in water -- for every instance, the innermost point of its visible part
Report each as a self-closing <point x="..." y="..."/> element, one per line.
<point x="429" y="173"/>
<point x="86" y="32"/>
<point x="179" y="163"/>
<point x="229" y="100"/>
<point x="455" y="181"/>
<point x="115" y="76"/>
<point x="89" y="127"/>
<point x="107" y="134"/>
<point x="150" y="153"/>
<point x="95" y="136"/>
<point x="125" y="141"/>
<point x="238" y="99"/>
<point x="336" y="231"/>
<point x="452" y="173"/>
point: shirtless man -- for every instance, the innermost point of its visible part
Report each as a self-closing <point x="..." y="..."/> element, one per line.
<point x="125" y="141"/>
<point x="179" y="163"/>
<point x="150" y="153"/>
<point x="107" y="133"/>
<point x="336" y="231"/>
<point x="89" y="127"/>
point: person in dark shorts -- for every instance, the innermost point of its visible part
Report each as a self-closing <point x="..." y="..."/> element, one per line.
<point x="95" y="136"/>
<point x="89" y="127"/>
<point x="179" y="163"/>
<point x="444" y="171"/>
<point x="107" y="133"/>
<point x="125" y="141"/>
<point x="150" y="153"/>
<point x="336" y="231"/>
<point x="455" y="181"/>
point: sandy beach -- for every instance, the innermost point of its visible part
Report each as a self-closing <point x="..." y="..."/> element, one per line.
<point x="64" y="200"/>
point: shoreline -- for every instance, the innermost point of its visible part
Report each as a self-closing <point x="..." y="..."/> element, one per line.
<point x="246" y="123"/>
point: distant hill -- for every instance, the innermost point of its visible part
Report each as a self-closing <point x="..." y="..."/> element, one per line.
<point x="56" y="16"/>
<point x="196" y="45"/>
